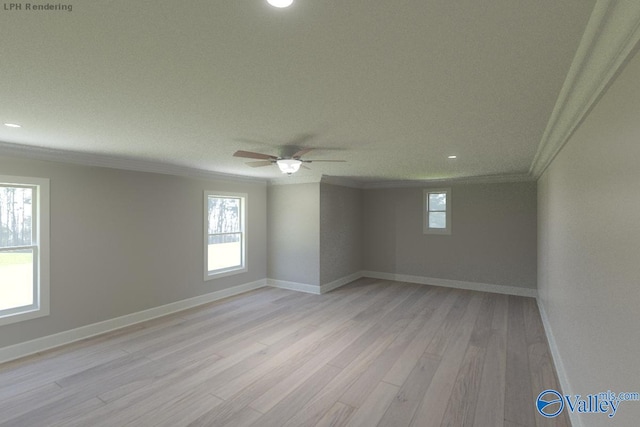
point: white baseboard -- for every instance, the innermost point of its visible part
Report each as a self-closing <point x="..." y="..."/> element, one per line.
<point x="557" y="361"/>
<point x="294" y="286"/>
<point x="327" y="287"/>
<point x="37" y="345"/>
<point x="458" y="284"/>
<point x="315" y="289"/>
<point x="67" y="337"/>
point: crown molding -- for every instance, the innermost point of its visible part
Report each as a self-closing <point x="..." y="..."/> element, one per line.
<point x="347" y="182"/>
<point x="125" y="163"/>
<point x="324" y="179"/>
<point x="296" y="179"/>
<point x="106" y="161"/>
<point x="341" y="181"/>
<point x="483" y="179"/>
<point x="611" y="35"/>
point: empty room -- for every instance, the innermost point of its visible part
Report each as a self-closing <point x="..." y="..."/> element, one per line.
<point x="320" y="213"/>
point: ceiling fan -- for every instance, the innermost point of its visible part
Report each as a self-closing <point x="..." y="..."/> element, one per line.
<point x="287" y="164"/>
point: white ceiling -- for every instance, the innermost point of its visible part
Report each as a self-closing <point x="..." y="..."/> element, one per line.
<point x="392" y="87"/>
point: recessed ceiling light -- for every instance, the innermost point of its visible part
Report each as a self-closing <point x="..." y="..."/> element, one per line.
<point x="280" y="3"/>
<point x="12" y="125"/>
<point x="452" y="157"/>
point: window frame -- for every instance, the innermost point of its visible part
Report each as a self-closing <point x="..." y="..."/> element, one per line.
<point x="229" y="271"/>
<point x="39" y="246"/>
<point x="425" y="210"/>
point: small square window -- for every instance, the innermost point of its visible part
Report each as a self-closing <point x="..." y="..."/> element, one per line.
<point x="437" y="211"/>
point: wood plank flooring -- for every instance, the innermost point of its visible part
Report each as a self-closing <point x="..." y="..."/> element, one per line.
<point x="372" y="353"/>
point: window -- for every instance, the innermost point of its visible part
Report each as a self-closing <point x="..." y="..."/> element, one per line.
<point x="225" y="236"/>
<point x="437" y="211"/>
<point x="24" y="248"/>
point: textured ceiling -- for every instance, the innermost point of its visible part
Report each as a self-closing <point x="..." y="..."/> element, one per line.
<point x="391" y="87"/>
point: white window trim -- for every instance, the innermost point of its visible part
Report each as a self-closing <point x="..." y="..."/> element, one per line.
<point x="425" y="212"/>
<point x="42" y="242"/>
<point x="243" y="207"/>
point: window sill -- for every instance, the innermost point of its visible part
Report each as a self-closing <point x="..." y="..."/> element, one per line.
<point x="442" y="232"/>
<point x="224" y="273"/>
<point x="22" y="316"/>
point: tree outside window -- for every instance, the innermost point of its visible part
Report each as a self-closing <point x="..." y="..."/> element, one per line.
<point x="225" y="250"/>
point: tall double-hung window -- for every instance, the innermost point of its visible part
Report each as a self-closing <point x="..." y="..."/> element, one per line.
<point x="24" y="248"/>
<point x="437" y="211"/>
<point x="225" y="235"/>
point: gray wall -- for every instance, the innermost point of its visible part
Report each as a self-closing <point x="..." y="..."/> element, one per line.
<point x="294" y="233"/>
<point x="340" y="232"/>
<point x="122" y="242"/>
<point x="589" y="249"/>
<point x="493" y="236"/>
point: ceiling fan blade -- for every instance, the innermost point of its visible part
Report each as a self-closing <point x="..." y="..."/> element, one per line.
<point x="252" y="155"/>
<point x="334" y="161"/>
<point x="301" y="153"/>
<point x="259" y="163"/>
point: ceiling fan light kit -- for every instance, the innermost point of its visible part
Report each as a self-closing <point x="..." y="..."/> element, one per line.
<point x="280" y="3"/>
<point x="289" y="166"/>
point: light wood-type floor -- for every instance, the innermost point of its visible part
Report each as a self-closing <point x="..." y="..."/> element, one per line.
<point x="372" y="353"/>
